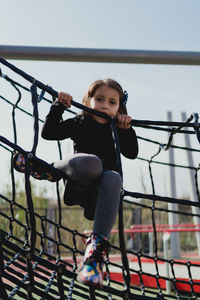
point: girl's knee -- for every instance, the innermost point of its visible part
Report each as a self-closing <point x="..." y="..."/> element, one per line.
<point x="112" y="179"/>
<point x="87" y="167"/>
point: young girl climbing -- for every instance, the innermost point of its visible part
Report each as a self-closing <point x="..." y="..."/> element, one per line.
<point x="94" y="182"/>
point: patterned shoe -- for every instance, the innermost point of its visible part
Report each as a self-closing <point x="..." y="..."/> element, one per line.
<point x="91" y="272"/>
<point x="19" y="164"/>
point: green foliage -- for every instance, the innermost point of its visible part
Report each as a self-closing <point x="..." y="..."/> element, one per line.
<point x="14" y="218"/>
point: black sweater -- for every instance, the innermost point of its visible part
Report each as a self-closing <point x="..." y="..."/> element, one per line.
<point x="89" y="136"/>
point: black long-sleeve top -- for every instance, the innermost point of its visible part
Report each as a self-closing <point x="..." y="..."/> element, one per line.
<point x="90" y="136"/>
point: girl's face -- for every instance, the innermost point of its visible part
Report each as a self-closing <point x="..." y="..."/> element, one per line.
<point x="105" y="100"/>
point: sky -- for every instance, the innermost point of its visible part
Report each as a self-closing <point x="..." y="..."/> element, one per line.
<point x="153" y="90"/>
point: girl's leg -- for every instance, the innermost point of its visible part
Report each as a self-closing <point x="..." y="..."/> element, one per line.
<point x="110" y="185"/>
<point x="81" y="167"/>
<point x="108" y="203"/>
<point x="84" y="170"/>
<point x="38" y="168"/>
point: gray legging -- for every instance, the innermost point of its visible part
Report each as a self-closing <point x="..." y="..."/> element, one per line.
<point x="86" y="169"/>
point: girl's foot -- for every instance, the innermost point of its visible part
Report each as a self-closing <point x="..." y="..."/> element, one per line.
<point x="36" y="171"/>
<point x="91" y="273"/>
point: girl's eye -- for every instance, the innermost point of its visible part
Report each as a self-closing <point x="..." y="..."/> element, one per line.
<point x="99" y="99"/>
<point x="112" y="102"/>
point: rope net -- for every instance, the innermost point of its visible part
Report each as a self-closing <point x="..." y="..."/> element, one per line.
<point x="40" y="248"/>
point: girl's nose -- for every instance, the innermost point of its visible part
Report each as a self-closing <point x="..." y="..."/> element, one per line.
<point x="105" y="105"/>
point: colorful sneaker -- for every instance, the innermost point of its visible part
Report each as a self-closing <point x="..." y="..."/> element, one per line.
<point x="19" y="162"/>
<point x="38" y="172"/>
<point x="91" y="272"/>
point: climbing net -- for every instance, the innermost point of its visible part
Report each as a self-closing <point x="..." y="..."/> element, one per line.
<point x="40" y="253"/>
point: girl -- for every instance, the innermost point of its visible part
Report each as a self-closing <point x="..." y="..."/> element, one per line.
<point x="95" y="183"/>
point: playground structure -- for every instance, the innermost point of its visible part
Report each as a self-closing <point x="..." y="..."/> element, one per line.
<point x="54" y="278"/>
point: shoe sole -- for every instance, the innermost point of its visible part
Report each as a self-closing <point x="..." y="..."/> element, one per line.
<point x="89" y="283"/>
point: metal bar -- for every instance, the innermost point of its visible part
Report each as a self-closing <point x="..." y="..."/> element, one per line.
<point x="193" y="195"/>
<point x="100" y="55"/>
<point x="173" y="218"/>
<point x="166" y="237"/>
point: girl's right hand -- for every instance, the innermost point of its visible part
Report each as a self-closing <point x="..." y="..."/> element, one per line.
<point x="65" y="99"/>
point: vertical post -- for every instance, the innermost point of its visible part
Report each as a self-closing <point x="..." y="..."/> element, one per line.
<point x="173" y="217"/>
<point x="136" y="219"/>
<point x="193" y="195"/>
<point x="50" y="213"/>
<point x="166" y="237"/>
<point x="150" y="234"/>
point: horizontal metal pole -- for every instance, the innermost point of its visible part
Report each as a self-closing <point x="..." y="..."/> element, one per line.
<point x="99" y="55"/>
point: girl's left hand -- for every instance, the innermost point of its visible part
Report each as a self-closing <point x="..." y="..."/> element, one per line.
<point x="124" y="121"/>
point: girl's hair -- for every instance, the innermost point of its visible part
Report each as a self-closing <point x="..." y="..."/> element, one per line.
<point x="108" y="83"/>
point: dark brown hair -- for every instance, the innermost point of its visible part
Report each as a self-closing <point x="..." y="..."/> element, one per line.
<point x="108" y="83"/>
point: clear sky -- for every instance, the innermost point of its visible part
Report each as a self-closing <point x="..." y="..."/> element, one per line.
<point x="115" y="24"/>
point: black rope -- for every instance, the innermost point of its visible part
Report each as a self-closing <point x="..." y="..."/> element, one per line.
<point x="174" y="131"/>
<point x="196" y="183"/>
<point x="54" y="93"/>
<point x="162" y="199"/>
<point x="36" y="117"/>
<point x="171" y="146"/>
<point x="197" y="126"/>
<point x="127" y="278"/>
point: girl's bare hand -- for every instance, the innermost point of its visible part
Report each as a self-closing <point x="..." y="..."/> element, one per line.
<point x="124" y="121"/>
<point x="65" y="99"/>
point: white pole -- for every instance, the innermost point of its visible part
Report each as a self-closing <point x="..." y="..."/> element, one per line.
<point x="150" y="234"/>
<point x="166" y="237"/>
<point x="173" y="217"/>
<point x="193" y="195"/>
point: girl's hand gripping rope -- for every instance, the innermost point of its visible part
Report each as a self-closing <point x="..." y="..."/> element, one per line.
<point x="65" y="99"/>
<point x="124" y="121"/>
